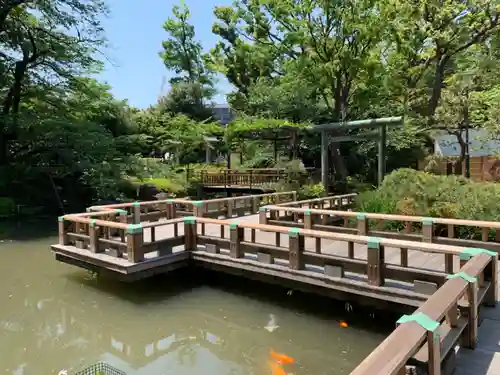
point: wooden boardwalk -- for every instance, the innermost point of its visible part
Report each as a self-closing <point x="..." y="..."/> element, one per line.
<point x="404" y="272"/>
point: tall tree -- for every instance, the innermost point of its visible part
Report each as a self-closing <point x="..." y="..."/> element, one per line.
<point x="183" y="54"/>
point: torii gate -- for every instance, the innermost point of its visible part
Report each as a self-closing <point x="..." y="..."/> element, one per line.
<point x="380" y="134"/>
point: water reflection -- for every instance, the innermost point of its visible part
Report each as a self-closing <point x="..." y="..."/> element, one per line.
<point x="54" y="317"/>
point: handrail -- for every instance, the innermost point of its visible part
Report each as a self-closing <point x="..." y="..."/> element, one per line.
<point x="186" y="201"/>
<point x="393" y="353"/>
<point x="363" y="240"/>
<point x="415" y="219"/>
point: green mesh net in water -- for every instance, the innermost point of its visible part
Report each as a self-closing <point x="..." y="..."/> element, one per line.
<point x="100" y="369"/>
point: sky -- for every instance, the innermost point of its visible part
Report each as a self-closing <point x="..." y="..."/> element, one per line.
<point x="134" y="30"/>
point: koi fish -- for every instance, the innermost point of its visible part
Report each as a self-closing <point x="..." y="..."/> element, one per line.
<point x="276" y="369"/>
<point x="271" y="325"/>
<point x="282" y="358"/>
<point x="343" y="324"/>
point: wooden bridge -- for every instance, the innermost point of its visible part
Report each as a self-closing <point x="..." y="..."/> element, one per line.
<point x="422" y="268"/>
<point x="252" y="179"/>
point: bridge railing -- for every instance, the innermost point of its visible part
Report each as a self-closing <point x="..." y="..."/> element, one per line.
<point x="287" y="245"/>
<point x="415" y="228"/>
<point x="137" y="212"/>
<point x="424" y="336"/>
<point x="254" y="177"/>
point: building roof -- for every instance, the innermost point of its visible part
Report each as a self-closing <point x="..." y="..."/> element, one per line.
<point x="480" y="144"/>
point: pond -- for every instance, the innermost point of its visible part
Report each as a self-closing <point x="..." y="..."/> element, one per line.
<point x="56" y="317"/>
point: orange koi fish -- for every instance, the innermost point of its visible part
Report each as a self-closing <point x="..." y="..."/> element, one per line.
<point x="276" y="369"/>
<point x="343" y="324"/>
<point x="282" y="358"/>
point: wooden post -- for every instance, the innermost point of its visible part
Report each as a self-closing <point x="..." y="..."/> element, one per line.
<point x="376" y="260"/>
<point x="94" y="232"/>
<point x="262" y="215"/>
<point x="308" y="223"/>
<point x="63" y="238"/>
<point x="135" y="240"/>
<point x="491" y="297"/>
<point x="362" y="224"/>
<point x="433" y="339"/>
<point x="199" y="211"/>
<point x="324" y="160"/>
<point x="136" y="212"/>
<point x="123" y="219"/>
<point x="296" y="249"/>
<point x="255" y="205"/>
<point x="190" y="233"/>
<point x="404" y="251"/>
<point x="236" y="236"/>
<point x="427" y="229"/>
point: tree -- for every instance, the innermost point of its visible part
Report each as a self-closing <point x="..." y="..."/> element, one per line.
<point x="182" y="54"/>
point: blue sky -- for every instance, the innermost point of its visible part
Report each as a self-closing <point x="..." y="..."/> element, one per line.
<point x="135" y="33"/>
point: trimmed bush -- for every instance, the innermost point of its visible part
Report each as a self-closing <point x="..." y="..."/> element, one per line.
<point x="411" y="192"/>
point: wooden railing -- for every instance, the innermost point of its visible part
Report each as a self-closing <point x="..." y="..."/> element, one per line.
<point x="252" y="177"/>
<point x="137" y="240"/>
<point x="339" y="202"/>
<point x="424" y="337"/>
<point x="137" y="212"/>
<point x="415" y="228"/>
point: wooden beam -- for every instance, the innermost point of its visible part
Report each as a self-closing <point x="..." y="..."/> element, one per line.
<point x="359" y="124"/>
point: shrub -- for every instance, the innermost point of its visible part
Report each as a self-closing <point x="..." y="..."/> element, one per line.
<point x="7" y="207"/>
<point x="410" y="192"/>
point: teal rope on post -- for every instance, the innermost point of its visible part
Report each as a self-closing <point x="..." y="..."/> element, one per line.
<point x="423" y="321"/>
<point x="93" y="223"/>
<point x="361" y="216"/>
<point x="189" y="219"/>
<point x="307" y="212"/>
<point x="469" y="252"/>
<point x="464" y="276"/>
<point x="234" y="225"/>
<point x="294" y="232"/>
<point x="134" y="228"/>
<point x="374" y="243"/>
<point x="427" y="221"/>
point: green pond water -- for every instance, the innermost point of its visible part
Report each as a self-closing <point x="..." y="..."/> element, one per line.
<point x="54" y="317"/>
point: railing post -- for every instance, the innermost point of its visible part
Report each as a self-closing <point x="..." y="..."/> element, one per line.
<point x="136" y="212"/>
<point x="294" y="196"/>
<point x="490" y="272"/>
<point x="262" y="215"/>
<point x="236" y="236"/>
<point x="308" y="223"/>
<point x="362" y="224"/>
<point x="427" y="229"/>
<point x="469" y="335"/>
<point x="199" y="211"/>
<point x="124" y="220"/>
<point x="135" y="240"/>
<point x="296" y="249"/>
<point x="491" y="297"/>
<point x="376" y="262"/>
<point x="94" y="232"/>
<point x="190" y="243"/>
<point x="63" y="237"/>
<point x="255" y="204"/>
<point x="433" y="339"/>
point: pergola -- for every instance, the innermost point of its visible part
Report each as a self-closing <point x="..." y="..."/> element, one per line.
<point x="290" y="132"/>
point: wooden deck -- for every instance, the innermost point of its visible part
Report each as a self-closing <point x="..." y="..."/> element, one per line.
<point x="404" y="271"/>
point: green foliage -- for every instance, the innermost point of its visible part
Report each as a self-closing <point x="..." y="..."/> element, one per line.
<point x="7" y="207"/>
<point x="409" y="192"/>
<point x="311" y="191"/>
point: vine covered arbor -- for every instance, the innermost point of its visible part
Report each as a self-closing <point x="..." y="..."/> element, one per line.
<point x="298" y="138"/>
